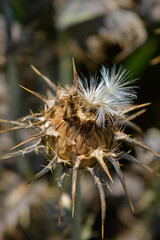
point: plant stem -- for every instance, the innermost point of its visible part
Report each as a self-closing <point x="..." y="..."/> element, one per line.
<point x="77" y="220"/>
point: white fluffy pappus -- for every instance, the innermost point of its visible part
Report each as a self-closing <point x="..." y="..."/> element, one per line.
<point x="110" y="92"/>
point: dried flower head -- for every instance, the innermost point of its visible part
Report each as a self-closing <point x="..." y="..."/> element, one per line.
<point x="81" y="128"/>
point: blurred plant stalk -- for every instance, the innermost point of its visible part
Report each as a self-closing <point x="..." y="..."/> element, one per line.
<point x="12" y="76"/>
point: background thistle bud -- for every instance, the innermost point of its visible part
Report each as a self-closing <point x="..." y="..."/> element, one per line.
<point x="82" y="128"/>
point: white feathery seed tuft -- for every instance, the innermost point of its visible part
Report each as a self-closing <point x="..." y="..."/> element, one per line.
<point x="110" y="93"/>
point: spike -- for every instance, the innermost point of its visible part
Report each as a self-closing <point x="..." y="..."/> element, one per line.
<point x="134" y="107"/>
<point x="60" y="187"/>
<point x="39" y="135"/>
<point x="74" y="182"/>
<point x="99" y="155"/>
<point x="135" y="115"/>
<point x="22" y="152"/>
<point x="123" y="137"/>
<point x="15" y="154"/>
<point x="31" y="116"/>
<point x="47" y="80"/>
<point x="121" y="177"/>
<point x="108" y="186"/>
<point x="75" y="74"/>
<point x="35" y="125"/>
<point x="12" y="122"/>
<point x="46" y="169"/>
<point x="40" y="96"/>
<point x="130" y="158"/>
<point x="10" y="155"/>
<point x="11" y="129"/>
<point x="131" y="125"/>
<point x="102" y="195"/>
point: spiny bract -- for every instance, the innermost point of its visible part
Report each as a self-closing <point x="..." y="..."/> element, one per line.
<point x="81" y="128"/>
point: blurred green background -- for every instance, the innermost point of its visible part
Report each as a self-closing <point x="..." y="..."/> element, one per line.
<point x="47" y="34"/>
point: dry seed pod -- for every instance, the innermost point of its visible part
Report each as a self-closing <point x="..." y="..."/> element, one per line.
<point x="83" y="131"/>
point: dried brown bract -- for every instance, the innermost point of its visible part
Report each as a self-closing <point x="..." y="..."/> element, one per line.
<point x="81" y="129"/>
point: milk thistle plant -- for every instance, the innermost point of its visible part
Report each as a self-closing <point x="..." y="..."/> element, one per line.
<point x="82" y="128"/>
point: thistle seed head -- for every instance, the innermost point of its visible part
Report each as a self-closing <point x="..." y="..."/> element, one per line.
<point x="81" y="128"/>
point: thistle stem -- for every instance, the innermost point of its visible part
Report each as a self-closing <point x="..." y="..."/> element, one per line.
<point x="77" y="219"/>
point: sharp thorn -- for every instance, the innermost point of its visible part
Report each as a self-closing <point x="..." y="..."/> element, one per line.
<point x="60" y="187"/>
<point x="121" y="177"/>
<point x="123" y="137"/>
<point x="134" y="107"/>
<point x="105" y="168"/>
<point x="96" y="178"/>
<point x="74" y="183"/>
<point x="45" y="170"/>
<point x="29" y="140"/>
<point x="47" y="80"/>
<point x="135" y="115"/>
<point x="40" y="96"/>
<point x="75" y="74"/>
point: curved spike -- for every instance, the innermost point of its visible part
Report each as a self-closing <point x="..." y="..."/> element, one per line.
<point x="102" y="195"/>
<point x="40" y="96"/>
<point x="32" y="116"/>
<point x="12" y="129"/>
<point x="108" y="186"/>
<point x="18" y="125"/>
<point x="121" y="177"/>
<point x="77" y="83"/>
<point x="13" y="154"/>
<point x="47" y="80"/>
<point x="131" y="125"/>
<point x="22" y="152"/>
<point x="75" y="74"/>
<point x="134" y="107"/>
<point x="60" y="188"/>
<point x="130" y="158"/>
<point x="99" y="156"/>
<point x="23" y="126"/>
<point x="135" y="115"/>
<point x="123" y="137"/>
<point x="46" y="169"/>
<point x="74" y="182"/>
<point x="36" y="136"/>
<point x="12" y="122"/>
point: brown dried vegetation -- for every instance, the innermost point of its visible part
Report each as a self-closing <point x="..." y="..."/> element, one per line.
<point x="67" y="133"/>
